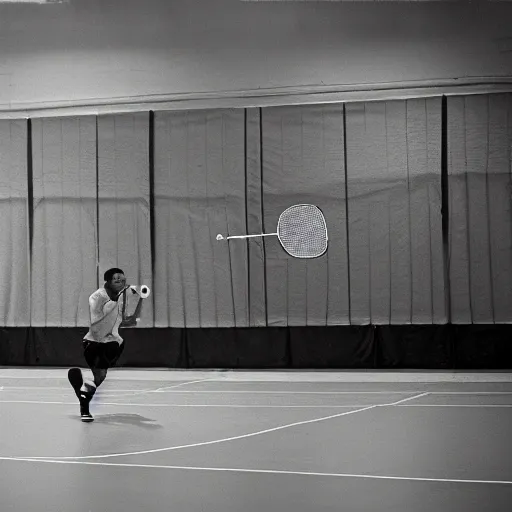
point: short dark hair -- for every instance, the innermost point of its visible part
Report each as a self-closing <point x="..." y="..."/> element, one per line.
<point x="109" y="274"/>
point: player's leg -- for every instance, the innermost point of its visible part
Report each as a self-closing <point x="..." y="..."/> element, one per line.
<point x="110" y="353"/>
<point x="85" y="388"/>
<point x="100" y="374"/>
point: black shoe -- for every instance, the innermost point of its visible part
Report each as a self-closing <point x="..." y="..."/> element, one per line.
<point x="85" y="415"/>
<point x="85" y="398"/>
<point x="76" y="380"/>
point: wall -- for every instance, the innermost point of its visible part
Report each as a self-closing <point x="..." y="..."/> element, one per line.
<point x="92" y="50"/>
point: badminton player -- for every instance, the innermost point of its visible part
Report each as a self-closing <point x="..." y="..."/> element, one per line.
<point x="102" y="344"/>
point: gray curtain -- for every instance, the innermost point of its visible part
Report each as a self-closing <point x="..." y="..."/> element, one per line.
<point x="64" y="216"/>
<point x="199" y="193"/>
<point x="124" y="202"/>
<point x="479" y="168"/>
<point x="14" y="218"/>
<point x="303" y="162"/>
<point x="394" y="198"/>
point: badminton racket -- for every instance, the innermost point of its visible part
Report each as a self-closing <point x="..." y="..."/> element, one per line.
<point x="301" y="230"/>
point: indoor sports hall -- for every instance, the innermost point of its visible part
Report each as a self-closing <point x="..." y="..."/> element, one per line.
<point x="255" y="255"/>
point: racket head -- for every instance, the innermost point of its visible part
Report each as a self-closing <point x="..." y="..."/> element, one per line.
<point x="302" y="231"/>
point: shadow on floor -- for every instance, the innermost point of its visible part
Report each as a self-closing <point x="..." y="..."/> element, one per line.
<point x="126" y="419"/>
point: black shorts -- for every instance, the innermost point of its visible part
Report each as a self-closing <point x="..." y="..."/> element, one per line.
<point x="102" y="355"/>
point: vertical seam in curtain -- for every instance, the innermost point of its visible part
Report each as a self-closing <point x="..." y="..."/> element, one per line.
<point x="30" y="178"/>
<point x="286" y="282"/>
<point x="509" y="144"/>
<point x="135" y="209"/>
<point x="389" y="215"/>
<point x="226" y="198"/>
<point x="263" y="218"/>
<point x="248" y="249"/>
<point x="62" y="225"/>
<point x="446" y="200"/>
<point x="178" y="259"/>
<point x="468" y="206"/>
<point x="411" y="270"/>
<point x="206" y="213"/>
<point x="82" y="204"/>
<point x="489" y="235"/>
<point x="427" y="172"/>
<point x="191" y="227"/>
<point x="116" y="203"/>
<point x="306" y="263"/>
<point x="347" y="237"/>
<point x="368" y="230"/>
<point x="12" y="284"/>
<point x="327" y="255"/>
<point x="45" y="222"/>
<point x="97" y="205"/>
<point x="151" y="170"/>
<point x="168" y="123"/>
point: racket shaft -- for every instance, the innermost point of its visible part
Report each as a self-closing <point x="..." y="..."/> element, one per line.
<point x="251" y="236"/>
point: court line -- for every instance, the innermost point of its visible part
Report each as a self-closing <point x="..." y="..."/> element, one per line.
<point x="138" y="393"/>
<point x="233" y="438"/>
<point x="241" y="406"/>
<point x="456" y="405"/>
<point x="128" y="392"/>
<point x="124" y="404"/>
<point x="263" y="471"/>
<point x="64" y="388"/>
<point x="165" y="388"/>
<point x="394" y="392"/>
<point x="256" y="392"/>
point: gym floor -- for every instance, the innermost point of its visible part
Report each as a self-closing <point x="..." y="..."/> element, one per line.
<point x="224" y="441"/>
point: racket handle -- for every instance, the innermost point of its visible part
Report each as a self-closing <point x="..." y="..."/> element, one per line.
<point x="220" y="237"/>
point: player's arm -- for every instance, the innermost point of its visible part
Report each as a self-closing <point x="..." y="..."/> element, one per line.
<point x="99" y="308"/>
<point x="131" y="320"/>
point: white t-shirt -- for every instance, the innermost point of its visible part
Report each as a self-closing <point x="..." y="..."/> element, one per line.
<point x="106" y="315"/>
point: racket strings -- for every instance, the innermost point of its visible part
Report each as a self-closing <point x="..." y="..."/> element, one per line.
<point x="302" y="231"/>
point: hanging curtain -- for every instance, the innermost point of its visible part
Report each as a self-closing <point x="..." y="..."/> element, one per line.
<point x="64" y="215"/>
<point x="124" y="202"/>
<point x="394" y="201"/>
<point x="199" y="193"/>
<point x="480" y="233"/>
<point x="14" y="228"/>
<point x="303" y="162"/>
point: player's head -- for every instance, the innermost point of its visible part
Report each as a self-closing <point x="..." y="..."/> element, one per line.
<point x="115" y="279"/>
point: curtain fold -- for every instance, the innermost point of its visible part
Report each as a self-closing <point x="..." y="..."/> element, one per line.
<point x="394" y="201"/>
<point x="303" y="162"/>
<point x="14" y="225"/>
<point x="199" y="193"/>
<point x="124" y="203"/>
<point x="480" y="232"/>
<point x="64" y="250"/>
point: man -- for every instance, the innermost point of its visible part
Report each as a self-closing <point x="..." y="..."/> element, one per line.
<point x="102" y="344"/>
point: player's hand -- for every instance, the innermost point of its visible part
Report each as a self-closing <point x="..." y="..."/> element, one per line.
<point x="122" y="291"/>
<point x="129" y="322"/>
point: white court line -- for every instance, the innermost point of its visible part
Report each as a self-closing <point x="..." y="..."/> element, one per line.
<point x="245" y="406"/>
<point x="241" y="406"/>
<point x="165" y="388"/>
<point x="64" y="388"/>
<point x="456" y="405"/>
<point x="168" y="389"/>
<point x="234" y="438"/>
<point x="143" y="392"/>
<point x="264" y="471"/>
<point x="138" y="393"/>
<point x="128" y="392"/>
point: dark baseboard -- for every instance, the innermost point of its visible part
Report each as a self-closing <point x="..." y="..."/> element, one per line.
<point x="351" y="347"/>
